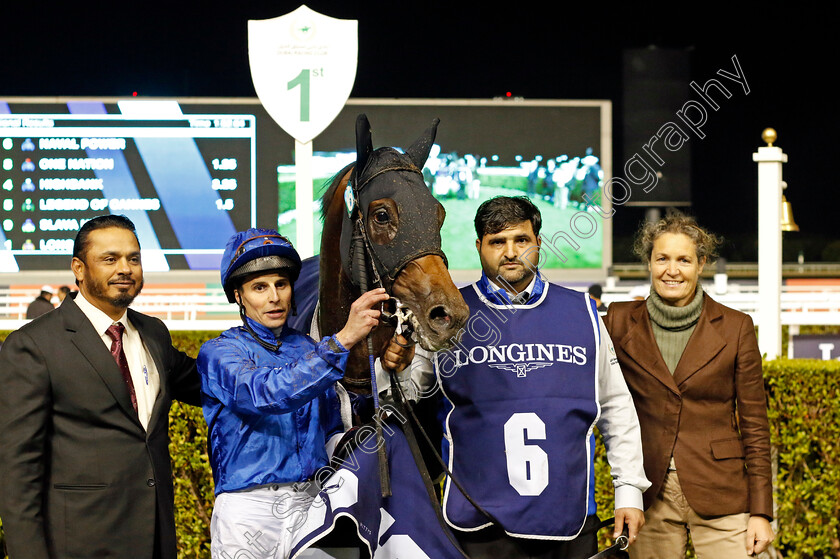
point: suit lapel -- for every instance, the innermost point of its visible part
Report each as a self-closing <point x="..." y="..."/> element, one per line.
<point x="705" y="342"/>
<point x="640" y="345"/>
<point x="153" y="345"/>
<point x="89" y="343"/>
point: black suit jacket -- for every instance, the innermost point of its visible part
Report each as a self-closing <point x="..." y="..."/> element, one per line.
<point x="79" y="476"/>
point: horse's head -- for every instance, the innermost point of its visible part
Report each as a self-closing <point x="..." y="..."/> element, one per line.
<point x="402" y="221"/>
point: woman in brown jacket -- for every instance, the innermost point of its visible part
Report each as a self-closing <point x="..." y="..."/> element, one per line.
<point x="694" y="370"/>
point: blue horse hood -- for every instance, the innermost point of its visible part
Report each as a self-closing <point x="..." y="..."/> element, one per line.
<point x="387" y="173"/>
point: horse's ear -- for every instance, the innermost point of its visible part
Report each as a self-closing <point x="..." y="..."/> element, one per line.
<point x="419" y="150"/>
<point x="364" y="144"/>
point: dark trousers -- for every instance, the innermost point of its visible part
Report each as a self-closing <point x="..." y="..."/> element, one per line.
<point x="494" y="543"/>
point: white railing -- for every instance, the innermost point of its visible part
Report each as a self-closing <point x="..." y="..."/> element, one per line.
<point x="801" y="305"/>
<point x="206" y="308"/>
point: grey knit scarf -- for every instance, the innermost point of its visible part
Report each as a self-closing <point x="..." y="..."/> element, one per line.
<point x="673" y="326"/>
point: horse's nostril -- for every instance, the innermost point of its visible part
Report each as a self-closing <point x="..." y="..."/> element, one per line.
<point x="438" y="314"/>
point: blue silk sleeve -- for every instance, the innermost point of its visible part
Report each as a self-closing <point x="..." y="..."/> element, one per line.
<point x="257" y="381"/>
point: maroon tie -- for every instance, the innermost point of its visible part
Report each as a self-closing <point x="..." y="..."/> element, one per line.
<point x="115" y="332"/>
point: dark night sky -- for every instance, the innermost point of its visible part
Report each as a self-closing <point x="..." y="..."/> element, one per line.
<point x="471" y="50"/>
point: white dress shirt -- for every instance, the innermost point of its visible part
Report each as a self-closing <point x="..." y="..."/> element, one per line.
<point x="144" y="374"/>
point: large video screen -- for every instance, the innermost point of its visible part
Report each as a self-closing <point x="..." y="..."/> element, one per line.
<point x="190" y="172"/>
<point x="558" y="153"/>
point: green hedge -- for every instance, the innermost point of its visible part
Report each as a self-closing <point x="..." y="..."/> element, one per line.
<point x="804" y="411"/>
<point x="190" y="464"/>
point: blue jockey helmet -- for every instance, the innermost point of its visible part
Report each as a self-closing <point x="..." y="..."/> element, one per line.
<point x="257" y="251"/>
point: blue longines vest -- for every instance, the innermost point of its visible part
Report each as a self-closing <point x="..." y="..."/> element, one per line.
<point x="522" y="403"/>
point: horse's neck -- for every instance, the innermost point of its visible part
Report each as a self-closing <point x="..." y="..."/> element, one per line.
<point x="337" y="293"/>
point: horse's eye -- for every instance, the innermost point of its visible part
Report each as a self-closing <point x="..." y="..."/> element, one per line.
<point x="381" y="216"/>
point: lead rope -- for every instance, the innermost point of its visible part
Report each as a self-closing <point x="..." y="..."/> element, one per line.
<point x="403" y="406"/>
<point x="399" y="397"/>
<point x="622" y="542"/>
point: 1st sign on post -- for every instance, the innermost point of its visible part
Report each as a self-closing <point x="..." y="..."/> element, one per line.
<point x="303" y="66"/>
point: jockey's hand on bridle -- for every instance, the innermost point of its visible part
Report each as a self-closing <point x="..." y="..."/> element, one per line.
<point x="398" y="354"/>
<point x="364" y="317"/>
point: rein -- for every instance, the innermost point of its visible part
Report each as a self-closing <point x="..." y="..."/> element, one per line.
<point x="362" y="253"/>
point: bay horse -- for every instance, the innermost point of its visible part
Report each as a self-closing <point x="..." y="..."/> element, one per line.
<point x="402" y="222"/>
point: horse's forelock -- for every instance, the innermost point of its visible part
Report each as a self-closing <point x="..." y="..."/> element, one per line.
<point x="328" y="196"/>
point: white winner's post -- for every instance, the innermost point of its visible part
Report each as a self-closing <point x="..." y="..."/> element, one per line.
<point x="770" y="160"/>
<point x="305" y="243"/>
<point x="303" y="66"/>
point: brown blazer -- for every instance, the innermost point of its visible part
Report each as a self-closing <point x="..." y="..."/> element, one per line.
<point x="711" y="414"/>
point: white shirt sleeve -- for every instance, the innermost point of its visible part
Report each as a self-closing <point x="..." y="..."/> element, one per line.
<point x="619" y="425"/>
<point x="417" y="380"/>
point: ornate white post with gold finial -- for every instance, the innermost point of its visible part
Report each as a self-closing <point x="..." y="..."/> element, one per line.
<point x="770" y="160"/>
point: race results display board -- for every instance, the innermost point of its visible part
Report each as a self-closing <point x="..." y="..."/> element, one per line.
<point x="187" y="182"/>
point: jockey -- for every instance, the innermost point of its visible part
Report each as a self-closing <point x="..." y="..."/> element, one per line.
<point x="268" y="398"/>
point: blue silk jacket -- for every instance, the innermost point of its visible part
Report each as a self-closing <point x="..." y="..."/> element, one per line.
<point x="269" y="413"/>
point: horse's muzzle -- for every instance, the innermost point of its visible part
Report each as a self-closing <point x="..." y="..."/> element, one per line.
<point x="439" y="310"/>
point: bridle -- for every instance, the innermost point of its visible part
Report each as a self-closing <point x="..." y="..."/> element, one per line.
<point x="385" y="262"/>
<point x="362" y="254"/>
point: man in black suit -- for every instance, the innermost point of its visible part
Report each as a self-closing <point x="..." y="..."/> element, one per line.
<point x="84" y="457"/>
